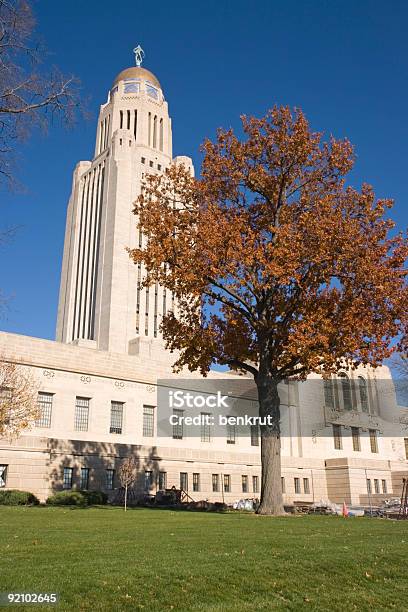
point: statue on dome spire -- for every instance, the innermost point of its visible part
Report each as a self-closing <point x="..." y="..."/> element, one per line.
<point x="139" y="55"/>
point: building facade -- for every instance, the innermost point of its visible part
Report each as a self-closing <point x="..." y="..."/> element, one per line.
<point x="345" y="439"/>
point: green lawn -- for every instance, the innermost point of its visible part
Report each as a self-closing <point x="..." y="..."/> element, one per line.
<point x="104" y="559"/>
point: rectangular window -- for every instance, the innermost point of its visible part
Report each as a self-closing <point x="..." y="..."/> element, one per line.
<point x="162" y="481"/>
<point x="110" y="477"/>
<point x="45" y="406"/>
<point x="368" y="486"/>
<point x="306" y="486"/>
<point x="205" y="427"/>
<point x="406" y="447"/>
<point x="148" y="421"/>
<point x="3" y="475"/>
<point x="67" y="479"/>
<point x="196" y="482"/>
<point x="184" y="481"/>
<point x="230" y="434"/>
<point x="283" y="485"/>
<point x="376" y="485"/>
<point x="81" y="413"/>
<point x="297" y="485"/>
<point x="337" y="437"/>
<point x="384" y="486"/>
<point x="227" y="483"/>
<point x="254" y="435"/>
<point x="178" y="427"/>
<point x="373" y="440"/>
<point x="255" y="484"/>
<point x="116" y="417"/>
<point x="215" y="482"/>
<point x="245" y="484"/>
<point x="355" y="433"/>
<point x="148" y="480"/>
<point x="84" y="481"/>
<point x="143" y="160"/>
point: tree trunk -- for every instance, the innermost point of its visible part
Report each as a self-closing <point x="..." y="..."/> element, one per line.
<point x="126" y="489"/>
<point x="269" y="411"/>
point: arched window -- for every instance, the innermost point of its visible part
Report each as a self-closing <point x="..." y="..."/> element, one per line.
<point x="155" y="132"/>
<point x="149" y="129"/>
<point x="346" y="391"/>
<point x="328" y="393"/>
<point x="362" y="385"/>
<point x="161" y="135"/>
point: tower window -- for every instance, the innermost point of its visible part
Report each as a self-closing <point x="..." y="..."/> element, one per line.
<point x="121" y="119"/>
<point x="151" y="164"/>
<point x="161" y="135"/>
<point x="128" y="119"/>
<point x="155" y="132"/>
<point x="149" y="129"/>
<point x="143" y="160"/>
<point x="131" y="86"/>
<point x="152" y="91"/>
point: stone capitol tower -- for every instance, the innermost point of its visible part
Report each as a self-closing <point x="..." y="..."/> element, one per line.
<point x="101" y="301"/>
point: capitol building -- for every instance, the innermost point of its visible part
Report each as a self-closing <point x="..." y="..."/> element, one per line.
<point x="342" y="440"/>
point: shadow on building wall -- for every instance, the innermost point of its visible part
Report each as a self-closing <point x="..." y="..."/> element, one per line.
<point x="100" y="458"/>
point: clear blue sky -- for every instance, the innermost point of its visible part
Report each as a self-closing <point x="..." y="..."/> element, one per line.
<point x="345" y="63"/>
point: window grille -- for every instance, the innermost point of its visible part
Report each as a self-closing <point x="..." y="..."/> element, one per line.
<point x="45" y="405"/>
<point x="148" y="421"/>
<point x="116" y="417"/>
<point x="81" y="413"/>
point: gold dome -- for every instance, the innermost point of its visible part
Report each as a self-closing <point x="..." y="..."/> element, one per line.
<point x="137" y="72"/>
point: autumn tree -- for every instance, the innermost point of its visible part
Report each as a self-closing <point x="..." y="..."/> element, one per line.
<point x="127" y="475"/>
<point x="30" y="95"/>
<point x="277" y="267"/>
<point x="18" y="400"/>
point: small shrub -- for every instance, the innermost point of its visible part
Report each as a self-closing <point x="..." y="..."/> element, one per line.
<point x="77" y="498"/>
<point x="13" y="497"/>
<point x="95" y="497"/>
<point x="67" y="498"/>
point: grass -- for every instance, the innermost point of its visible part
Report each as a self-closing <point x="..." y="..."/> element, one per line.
<point x="155" y="560"/>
